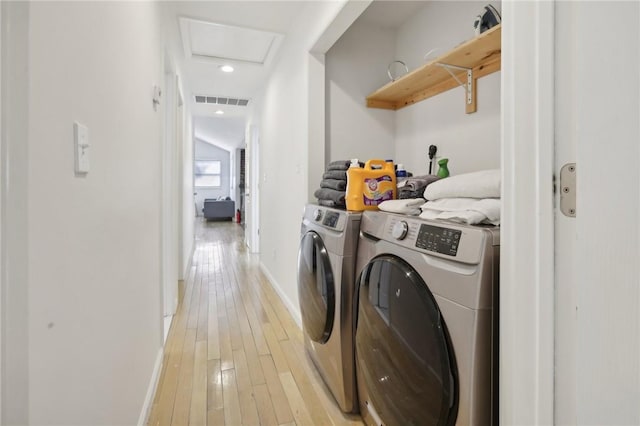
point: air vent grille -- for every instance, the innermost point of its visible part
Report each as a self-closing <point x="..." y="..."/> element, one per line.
<point x="201" y="99"/>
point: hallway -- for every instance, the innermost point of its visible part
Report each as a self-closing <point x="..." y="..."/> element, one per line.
<point x="234" y="354"/>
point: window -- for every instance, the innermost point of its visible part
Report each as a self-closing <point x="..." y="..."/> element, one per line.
<point x="206" y="173"/>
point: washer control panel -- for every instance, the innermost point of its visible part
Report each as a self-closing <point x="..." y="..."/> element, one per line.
<point x="331" y="219"/>
<point x="439" y="240"/>
<point x="328" y="218"/>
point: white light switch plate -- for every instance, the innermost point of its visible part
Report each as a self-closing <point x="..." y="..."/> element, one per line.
<point x="81" y="145"/>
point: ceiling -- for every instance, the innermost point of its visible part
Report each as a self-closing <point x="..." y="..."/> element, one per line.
<point x="202" y="36"/>
<point x="391" y="14"/>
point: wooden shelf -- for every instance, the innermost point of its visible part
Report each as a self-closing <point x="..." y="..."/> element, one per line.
<point x="480" y="54"/>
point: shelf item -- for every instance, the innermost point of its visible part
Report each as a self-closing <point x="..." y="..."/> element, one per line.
<point x="461" y="66"/>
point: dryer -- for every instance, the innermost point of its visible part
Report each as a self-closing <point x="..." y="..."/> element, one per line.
<point x="426" y="323"/>
<point x="326" y="286"/>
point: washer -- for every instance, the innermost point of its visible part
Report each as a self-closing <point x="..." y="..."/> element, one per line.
<point x="326" y="286"/>
<point x="426" y="328"/>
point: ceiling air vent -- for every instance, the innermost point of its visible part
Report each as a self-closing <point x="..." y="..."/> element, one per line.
<point x="201" y="99"/>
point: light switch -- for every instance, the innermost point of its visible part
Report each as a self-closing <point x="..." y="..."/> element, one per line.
<point x="81" y="144"/>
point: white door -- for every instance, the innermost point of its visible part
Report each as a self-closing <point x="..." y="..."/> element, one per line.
<point x="597" y="340"/>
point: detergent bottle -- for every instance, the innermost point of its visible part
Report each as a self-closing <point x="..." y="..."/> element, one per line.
<point x="369" y="186"/>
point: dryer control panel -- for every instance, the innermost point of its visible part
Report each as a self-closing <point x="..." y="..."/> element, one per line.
<point x="439" y="240"/>
<point x="446" y="240"/>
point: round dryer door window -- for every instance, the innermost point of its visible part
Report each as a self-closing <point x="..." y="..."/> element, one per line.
<point x="316" y="288"/>
<point x="404" y="358"/>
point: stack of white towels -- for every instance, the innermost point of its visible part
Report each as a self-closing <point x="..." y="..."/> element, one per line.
<point x="471" y="198"/>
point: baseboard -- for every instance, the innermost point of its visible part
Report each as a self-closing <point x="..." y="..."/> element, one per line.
<point x="187" y="269"/>
<point x="151" y="391"/>
<point x="291" y="306"/>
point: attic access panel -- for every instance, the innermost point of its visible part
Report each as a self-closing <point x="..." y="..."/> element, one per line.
<point x="226" y="42"/>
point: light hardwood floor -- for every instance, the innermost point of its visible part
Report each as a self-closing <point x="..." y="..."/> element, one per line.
<point x="234" y="355"/>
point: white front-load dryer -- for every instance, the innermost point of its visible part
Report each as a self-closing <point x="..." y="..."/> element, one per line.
<point x="426" y="322"/>
<point x="326" y="276"/>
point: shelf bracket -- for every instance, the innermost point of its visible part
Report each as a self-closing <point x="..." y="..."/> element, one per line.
<point x="468" y="86"/>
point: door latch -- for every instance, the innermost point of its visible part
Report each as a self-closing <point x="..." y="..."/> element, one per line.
<point x="568" y="190"/>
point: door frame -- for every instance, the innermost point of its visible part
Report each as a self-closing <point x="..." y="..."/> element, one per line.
<point x="14" y="278"/>
<point x="179" y="161"/>
<point x="168" y="201"/>
<point x="527" y="277"/>
<point x="254" y="176"/>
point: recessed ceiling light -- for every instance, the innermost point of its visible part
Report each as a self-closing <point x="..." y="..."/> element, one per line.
<point x="226" y="68"/>
<point x="219" y="112"/>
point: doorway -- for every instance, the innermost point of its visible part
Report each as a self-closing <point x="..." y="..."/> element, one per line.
<point x="252" y="193"/>
<point x="170" y="239"/>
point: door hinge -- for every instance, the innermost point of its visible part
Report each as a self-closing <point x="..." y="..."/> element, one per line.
<point x="568" y="189"/>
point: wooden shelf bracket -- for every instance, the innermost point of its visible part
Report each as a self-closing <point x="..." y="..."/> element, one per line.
<point x="468" y="87"/>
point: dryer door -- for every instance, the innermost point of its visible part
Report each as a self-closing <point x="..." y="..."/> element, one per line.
<point x="316" y="288"/>
<point x="404" y="357"/>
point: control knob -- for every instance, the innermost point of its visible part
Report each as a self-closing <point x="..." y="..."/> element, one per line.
<point x="399" y="230"/>
<point x="317" y="215"/>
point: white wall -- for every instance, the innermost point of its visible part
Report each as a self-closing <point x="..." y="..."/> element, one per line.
<point x="281" y="112"/>
<point x="94" y="260"/>
<point x="354" y="65"/>
<point x="207" y="151"/>
<point x="470" y="141"/>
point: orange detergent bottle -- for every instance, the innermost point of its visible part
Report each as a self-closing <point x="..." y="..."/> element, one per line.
<point x="367" y="187"/>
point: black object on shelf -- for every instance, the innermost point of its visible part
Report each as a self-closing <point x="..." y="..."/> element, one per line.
<point x="432" y="153"/>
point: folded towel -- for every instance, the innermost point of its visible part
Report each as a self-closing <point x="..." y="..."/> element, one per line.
<point x="330" y="203"/>
<point x="464" y="210"/>
<point x="417" y="182"/>
<point x="403" y="194"/>
<point x="330" y="194"/>
<point x="483" y="184"/>
<point x="338" y="185"/>
<point x="408" y="207"/>
<point x="335" y="174"/>
<point x="338" y="165"/>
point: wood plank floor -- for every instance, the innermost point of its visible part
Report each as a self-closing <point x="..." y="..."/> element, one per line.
<point x="234" y="355"/>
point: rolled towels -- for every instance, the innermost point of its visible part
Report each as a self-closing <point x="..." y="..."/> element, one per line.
<point x="338" y="185"/>
<point x="416" y="183"/>
<point x="409" y="207"/>
<point x="483" y="184"/>
<point x="471" y="211"/>
<point x="330" y="194"/>
<point x="335" y="174"/>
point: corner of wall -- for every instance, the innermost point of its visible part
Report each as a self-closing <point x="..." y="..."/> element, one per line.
<point x="292" y="306"/>
<point x="151" y="390"/>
